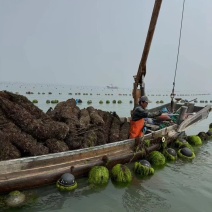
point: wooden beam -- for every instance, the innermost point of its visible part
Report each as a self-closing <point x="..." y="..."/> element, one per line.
<point x="150" y="33"/>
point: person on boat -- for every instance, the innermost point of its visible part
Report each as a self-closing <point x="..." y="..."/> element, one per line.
<point x="138" y="117"/>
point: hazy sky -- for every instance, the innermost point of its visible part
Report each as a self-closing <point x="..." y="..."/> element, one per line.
<point x="99" y="42"/>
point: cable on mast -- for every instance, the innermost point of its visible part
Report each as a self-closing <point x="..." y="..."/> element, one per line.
<point x="173" y="94"/>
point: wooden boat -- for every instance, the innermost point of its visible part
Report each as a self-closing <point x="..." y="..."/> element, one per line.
<point x="31" y="172"/>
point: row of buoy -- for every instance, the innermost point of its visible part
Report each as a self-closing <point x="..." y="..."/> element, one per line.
<point x="108" y="101"/>
<point x="106" y="94"/>
<point x="85" y="94"/>
<point x="99" y="175"/>
<point x="195" y="101"/>
<point x="120" y="174"/>
<point x="54" y="101"/>
<point x="179" y="94"/>
<point x="202" y="101"/>
<point x="114" y="102"/>
<point x="30" y="92"/>
<point x="161" y="102"/>
<point x="79" y="101"/>
<point x="120" y="94"/>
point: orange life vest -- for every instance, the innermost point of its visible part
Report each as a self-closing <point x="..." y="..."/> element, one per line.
<point x="136" y="128"/>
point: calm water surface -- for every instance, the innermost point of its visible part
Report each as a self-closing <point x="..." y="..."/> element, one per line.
<point x="179" y="186"/>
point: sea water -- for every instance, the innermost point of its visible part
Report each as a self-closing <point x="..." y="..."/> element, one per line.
<point x="179" y="186"/>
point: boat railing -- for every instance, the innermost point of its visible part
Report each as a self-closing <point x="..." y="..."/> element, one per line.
<point x="200" y="115"/>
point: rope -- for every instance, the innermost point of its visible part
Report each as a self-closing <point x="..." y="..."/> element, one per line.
<point x="172" y="94"/>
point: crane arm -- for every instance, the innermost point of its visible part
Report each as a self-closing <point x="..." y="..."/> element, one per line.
<point x="142" y="66"/>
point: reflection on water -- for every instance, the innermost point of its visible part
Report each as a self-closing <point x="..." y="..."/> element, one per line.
<point x="139" y="197"/>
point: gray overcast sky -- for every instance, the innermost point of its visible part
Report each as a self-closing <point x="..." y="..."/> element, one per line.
<point x="98" y="42"/>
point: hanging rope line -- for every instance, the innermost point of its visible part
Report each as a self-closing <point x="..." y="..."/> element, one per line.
<point x="181" y="25"/>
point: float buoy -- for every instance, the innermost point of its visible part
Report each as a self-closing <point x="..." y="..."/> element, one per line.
<point x="145" y="163"/>
<point x="89" y="102"/>
<point x="194" y="140"/>
<point x="209" y="133"/>
<point x="182" y="140"/>
<point x="98" y="175"/>
<point x="157" y="158"/>
<point x="203" y="136"/>
<point x="180" y="143"/>
<point x="186" y="153"/>
<point x="143" y="168"/>
<point x="66" y="182"/>
<point x="121" y="174"/>
<point x="170" y="154"/>
<point x="55" y="101"/>
<point x="35" y="101"/>
<point x="78" y="101"/>
<point x="15" y="199"/>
